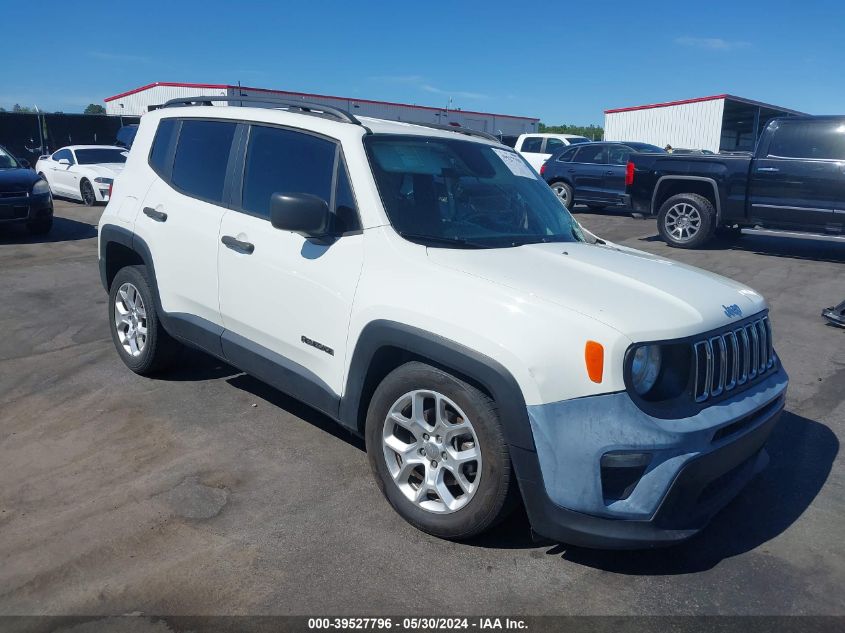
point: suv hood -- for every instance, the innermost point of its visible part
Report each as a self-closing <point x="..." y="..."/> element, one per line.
<point x="17" y="179"/>
<point x="643" y="296"/>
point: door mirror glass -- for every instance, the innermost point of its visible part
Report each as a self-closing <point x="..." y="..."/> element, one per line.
<point x="301" y="213"/>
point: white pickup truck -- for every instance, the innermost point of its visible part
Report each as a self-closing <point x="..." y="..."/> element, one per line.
<point x="536" y="148"/>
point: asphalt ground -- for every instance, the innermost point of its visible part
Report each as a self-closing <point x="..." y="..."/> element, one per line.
<point x="205" y="492"/>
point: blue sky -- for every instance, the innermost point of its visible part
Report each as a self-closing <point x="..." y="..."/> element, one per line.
<point x="564" y="62"/>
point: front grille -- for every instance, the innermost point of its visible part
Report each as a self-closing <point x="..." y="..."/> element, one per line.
<point x="14" y="194"/>
<point x="732" y="358"/>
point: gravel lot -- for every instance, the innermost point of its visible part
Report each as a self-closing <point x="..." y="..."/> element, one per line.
<point x="205" y="492"/>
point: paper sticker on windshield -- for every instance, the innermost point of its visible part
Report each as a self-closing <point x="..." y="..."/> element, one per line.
<point x="515" y="163"/>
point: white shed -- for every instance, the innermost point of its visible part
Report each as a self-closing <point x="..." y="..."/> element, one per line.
<point x="140" y="100"/>
<point x="717" y="123"/>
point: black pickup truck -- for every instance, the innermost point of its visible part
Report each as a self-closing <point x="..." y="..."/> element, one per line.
<point x="795" y="181"/>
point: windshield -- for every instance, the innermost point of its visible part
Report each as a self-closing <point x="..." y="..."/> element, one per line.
<point x="105" y="155"/>
<point x="463" y="194"/>
<point x="577" y="139"/>
<point x="7" y="161"/>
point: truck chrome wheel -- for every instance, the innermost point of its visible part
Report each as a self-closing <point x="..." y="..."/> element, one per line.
<point x="682" y="222"/>
<point x="130" y="319"/>
<point x="432" y="451"/>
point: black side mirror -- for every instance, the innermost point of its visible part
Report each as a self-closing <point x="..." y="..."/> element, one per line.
<point x="301" y="213"/>
<point x="25" y="163"/>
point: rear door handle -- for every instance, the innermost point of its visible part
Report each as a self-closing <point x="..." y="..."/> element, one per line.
<point x="158" y="216"/>
<point x="772" y="169"/>
<point x="237" y="245"/>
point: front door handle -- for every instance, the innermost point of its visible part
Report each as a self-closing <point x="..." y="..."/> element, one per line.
<point x="158" y="216"/>
<point x="608" y="173"/>
<point x="770" y="169"/>
<point x="237" y="245"/>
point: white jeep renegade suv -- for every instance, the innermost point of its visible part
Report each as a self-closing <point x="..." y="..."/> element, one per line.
<point x="427" y="290"/>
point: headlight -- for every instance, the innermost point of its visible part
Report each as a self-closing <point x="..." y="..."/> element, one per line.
<point x="645" y="368"/>
<point x="40" y="187"/>
<point x="104" y="181"/>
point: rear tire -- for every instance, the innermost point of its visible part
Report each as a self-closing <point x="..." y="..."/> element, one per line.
<point x="564" y="193"/>
<point x="444" y="467"/>
<point x="86" y="190"/>
<point x="140" y="339"/>
<point x="686" y="220"/>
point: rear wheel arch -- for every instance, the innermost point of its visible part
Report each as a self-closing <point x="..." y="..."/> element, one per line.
<point x="668" y="186"/>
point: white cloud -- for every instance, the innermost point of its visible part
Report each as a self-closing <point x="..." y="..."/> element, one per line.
<point x="711" y="43"/>
<point x="421" y="83"/>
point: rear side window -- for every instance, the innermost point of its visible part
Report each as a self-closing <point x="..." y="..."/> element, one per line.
<point x="594" y="154"/>
<point x="532" y="144"/>
<point x="202" y="154"/>
<point x="283" y="161"/>
<point x="809" y="139"/>
<point x="619" y="155"/>
<point x="161" y="154"/>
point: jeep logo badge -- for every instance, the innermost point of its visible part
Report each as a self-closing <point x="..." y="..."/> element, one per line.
<point x="732" y="310"/>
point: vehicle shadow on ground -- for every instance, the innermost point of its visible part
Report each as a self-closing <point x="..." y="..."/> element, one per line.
<point x="802" y="453"/>
<point x="820" y="250"/>
<point x="64" y="230"/>
<point x="247" y="383"/>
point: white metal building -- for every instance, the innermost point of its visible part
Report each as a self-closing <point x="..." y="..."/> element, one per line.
<point x="141" y="100"/>
<point x="717" y="123"/>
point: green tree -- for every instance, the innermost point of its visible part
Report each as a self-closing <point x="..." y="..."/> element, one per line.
<point x="592" y="132"/>
<point x="19" y="108"/>
<point x="94" y="108"/>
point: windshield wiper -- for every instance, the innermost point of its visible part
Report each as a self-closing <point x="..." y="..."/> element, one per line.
<point x="457" y="242"/>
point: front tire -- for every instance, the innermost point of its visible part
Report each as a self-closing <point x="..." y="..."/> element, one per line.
<point x="141" y="341"/>
<point x="686" y="220"/>
<point x="438" y="453"/>
<point x="564" y="193"/>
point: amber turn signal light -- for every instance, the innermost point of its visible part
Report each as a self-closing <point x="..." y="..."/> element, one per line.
<point x="594" y="357"/>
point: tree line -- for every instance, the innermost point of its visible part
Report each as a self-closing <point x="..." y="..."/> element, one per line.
<point x="92" y="108"/>
<point x="592" y="132"/>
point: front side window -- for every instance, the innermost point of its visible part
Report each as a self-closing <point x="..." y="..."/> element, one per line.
<point x="593" y="154"/>
<point x="809" y="139"/>
<point x="63" y="154"/>
<point x="100" y="156"/>
<point x="202" y="155"/>
<point x="283" y="161"/>
<point x="532" y="144"/>
<point x="566" y="156"/>
<point x="463" y="194"/>
<point x="553" y="145"/>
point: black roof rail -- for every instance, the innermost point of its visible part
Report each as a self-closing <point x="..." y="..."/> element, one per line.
<point x="458" y="130"/>
<point x="305" y="107"/>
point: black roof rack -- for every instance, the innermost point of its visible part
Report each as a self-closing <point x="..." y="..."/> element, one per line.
<point x="305" y="107"/>
<point x="458" y="130"/>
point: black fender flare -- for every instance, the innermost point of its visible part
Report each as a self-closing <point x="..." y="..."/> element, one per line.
<point x="448" y="354"/>
<point x="187" y="328"/>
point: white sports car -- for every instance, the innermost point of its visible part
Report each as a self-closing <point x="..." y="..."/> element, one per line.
<point x="82" y="172"/>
